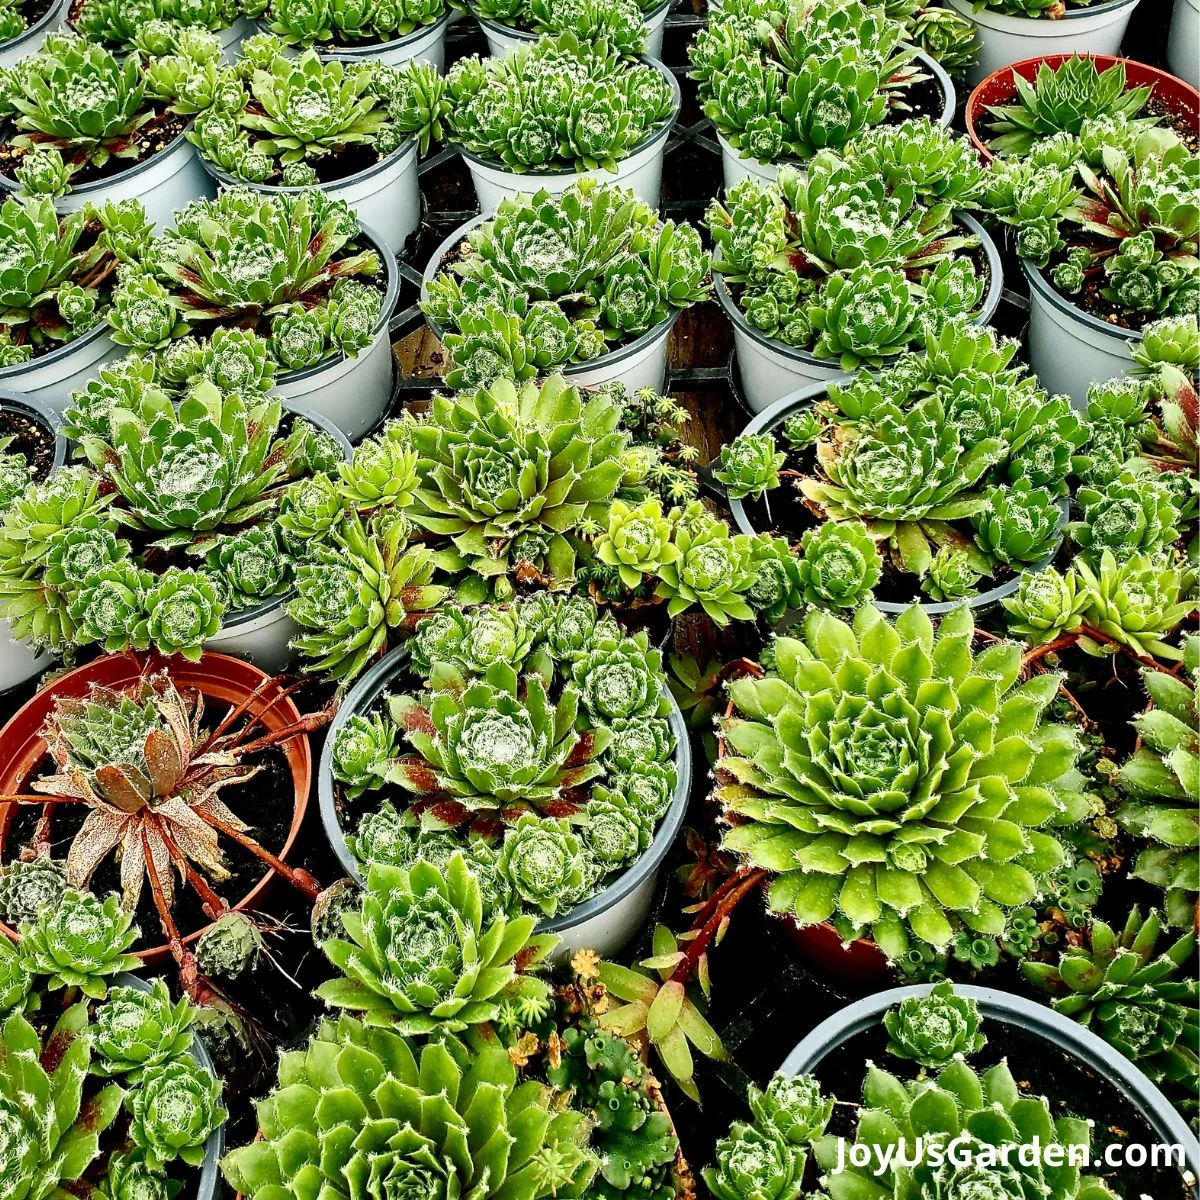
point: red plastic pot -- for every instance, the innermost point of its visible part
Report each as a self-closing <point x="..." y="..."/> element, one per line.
<point x="221" y="680"/>
<point x="1173" y="94"/>
<point x="855" y="969"/>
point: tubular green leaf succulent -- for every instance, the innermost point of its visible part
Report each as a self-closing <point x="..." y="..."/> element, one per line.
<point x="932" y="1030"/>
<point x="134" y="1031"/>
<point x="421" y="959"/>
<point x="862" y="821"/>
<point x="363" y="1113"/>
<point x="839" y="564"/>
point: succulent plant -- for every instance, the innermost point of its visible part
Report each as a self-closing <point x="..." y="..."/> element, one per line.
<point x="1045" y="605"/>
<point x="543" y="860"/>
<point x="852" y="259"/>
<point x="349" y="22"/>
<point x="1137" y="991"/>
<point x="421" y="959"/>
<point x="16" y="984"/>
<point x="151" y="25"/>
<point x="230" y="946"/>
<point x="175" y="1107"/>
<point x="1128" y="514"/>
<point x="839" y="564"/>
<point x="79" y="943"/>
<point x="28" y="886"/>
<point x="637" y="541"/>
<point x="756" y="1165"/>
<point x="713" y="570"/>
<point x="785" y="81"/>
<point x="561" y="103"/>
<point x="620" y="25"/>
<point x="933" y="1030"/>
<point x="1161" y="781"/>
<point x="134" y="1031"/>
<point x="951" y="576"/>
<point x="446" y="1123"/>
<point x="832" y="755"/>
<point x="749" y="466"/>
<point x="51" y="1135"/>
<point x="566" y="276"/>
<point x="295" y="113"/>
<point x="244" y="260"/>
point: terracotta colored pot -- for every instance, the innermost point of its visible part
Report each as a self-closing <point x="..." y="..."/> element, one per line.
<point x="220" y="679"/>
<point x="858" y="967"/>
<point x="998" y="88"/>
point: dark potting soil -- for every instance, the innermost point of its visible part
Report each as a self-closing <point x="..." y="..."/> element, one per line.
<point x="343" y="163"/>
<point x="161" y="131"/>
<point x="32" y="11"/>
<point x="1040" y="1069"/>
<point x="924" y="98"/>
<point x="31" y="439"/>
<point x="265" y="803"/>
<point x="786" y="512"/>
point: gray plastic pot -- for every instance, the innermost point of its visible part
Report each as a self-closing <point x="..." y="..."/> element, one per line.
<point x="51" y="378"/>
<point x="641" y="363"/>
<point x="771" y="368"/>
<point x="18" y="663"/>
<point x="206" y="1189"/>
<point x="30" y="41"/>
<point x="735" y="166"/>
<point x="770" y="419"/>
<point x="607" y="922"/>
<point x="503" y="39"/>
<point x="262" y="634"/>
<point x="1039" y="1020"/>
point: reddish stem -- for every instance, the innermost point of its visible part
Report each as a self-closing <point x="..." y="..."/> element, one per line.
<point x="298" y="878"/>
<point x="160" y="902"/>
<point x="727" y="898"/>
<point x="214" y="907"/>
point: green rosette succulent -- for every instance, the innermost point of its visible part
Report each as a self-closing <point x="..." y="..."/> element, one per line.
<point x="756" y="1165"/>
<point x="1018" y="524"/>
<point x="383" y="471"/>
<point x="1139" y="602"/>
<point x="881" y="811"/>
<point x="80" y="942"/>
<point x="933" y="1030"/>
<point x="28" y="887"/>
<point x="173" y="1110"/>
<point x="362" y="749"/>
<point x="16" y="983"/>
<point x="134" y="1031"/>
<point x="618" y="678"/>
<point x="1161" y="783"/>
<point x="637" y="541"/>
<point x="839" y="564"/>
<point x="231" y="946"/>
<point x="420" y="959"/>
<point x="49" y="1138"/>
<point x="792" y="1106"/>
<point x="1130" y="513"/>
<point x="713" y="570"/>
<point x="1137" y="990"/>
<point x="361" y="1112"/>
<point x="749" y="466"/>
<point x="1045" y="605"/>
<point x="349" y="22"/>
<point x="545" y="863"/>
<point x="952" y="575"/>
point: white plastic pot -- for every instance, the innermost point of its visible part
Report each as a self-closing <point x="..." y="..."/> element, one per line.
<point x="735" y="166"/>
<point x="384" y="196"/>
<point x="502" y="39"/>
<point x="30" y="41"/>
<point x="54" y="376"/>
<point x="427" y="44"/>
<point x="641" y="171"/>
<point x="164" y="183"/>
<point x="1002" y="39"/>
<point x="607" y="922"/>
<point x="353" y="393"/>
<point x="641" y="363"/>
<point x="18" y="663"/>
<point x="1183" y="41"/>
<point x="769" y="368"/>
<point x="262" y="634"/>
<point x="1070" y="349"/>
<point x="232" y="37"/>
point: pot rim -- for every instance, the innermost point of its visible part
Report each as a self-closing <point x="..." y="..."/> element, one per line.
<point x="359" y="50"/>
<point x="369" y="688"/>
<point x="58" y="355"/>
<point x="97" y="186"/>
<point x="968" y="9"/>
<point x="1040" y="284"/>
<point x="272" y="189"/>
<point x="37" y="410"/>
<point x="657" y="135"/>
<point x="490" y="25"/>
<point x="613" y="358"/>
<point x="56" y="9"/>
<point x="987" y="309"/>
<point x="976" y="106"/>
<point x="766" y="422"/>
<point x="233" y="673"/>
<point x="1032" y="1017"/>
<point x="214" y="1147"/>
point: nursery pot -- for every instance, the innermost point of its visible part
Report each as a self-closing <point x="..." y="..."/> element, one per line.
<point x="606" y="922"/>
<point x="1058" y="1032"/>
<point x="223" y="681"/>
<point x="426" y="44"/>
<point x="164" y="183"/>
<point x="18" y="663"/>
<point x="353" y="393"/>
<point x="641" y="170"/>
<point x="51" y="378"/>
<point x="232" y="37"/>
<point x="1176" y="96"/>
<point x="770" y="368"/>
<point x="1001" y="39"/>
<point x="30" y="40"/>
<point x="384" y="196"/>
<point x="262" y="634"/>
<point x="770" y="419"/>
<point x="503" y="39"/>
<point x="1183" y="41"/>
<point x="736" y="166"/>
<point x="214" y="1148"/>
<point x="641" y="363"/>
